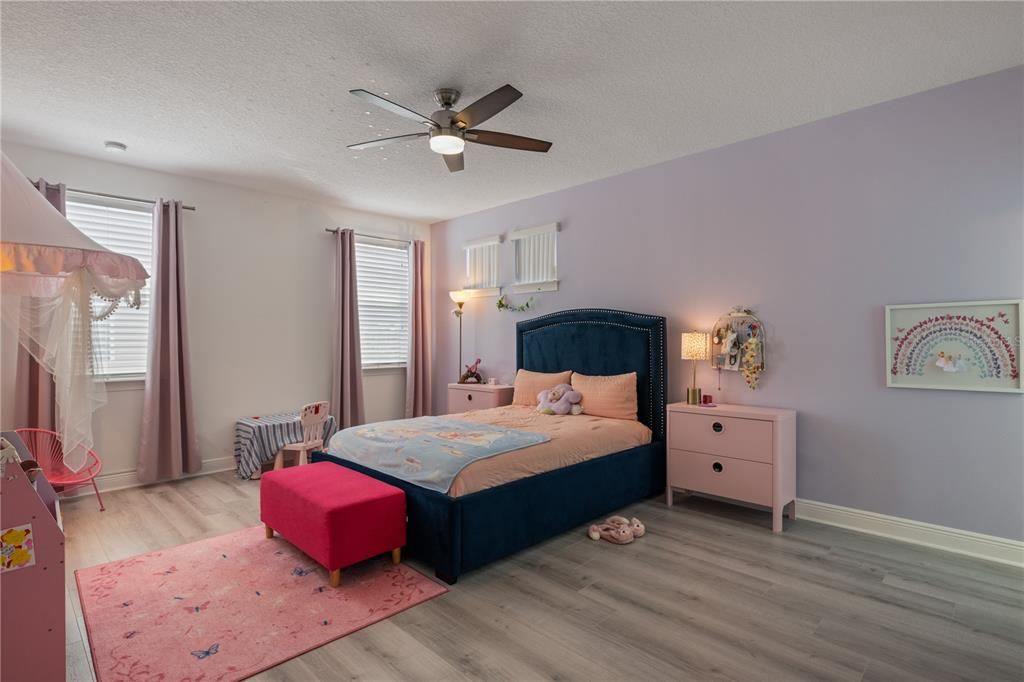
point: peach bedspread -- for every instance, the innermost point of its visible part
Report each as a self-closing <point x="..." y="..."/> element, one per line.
<point x="574" y="439"/>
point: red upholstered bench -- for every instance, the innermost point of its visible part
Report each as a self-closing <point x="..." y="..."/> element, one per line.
<point x="337" y="516"/>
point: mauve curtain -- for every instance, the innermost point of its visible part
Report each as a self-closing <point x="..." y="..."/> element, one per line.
<point x="417" y="376"/>
<point x="347" y="363"/>
<point x="168" y="445"/>
<point x="35" y="403"/>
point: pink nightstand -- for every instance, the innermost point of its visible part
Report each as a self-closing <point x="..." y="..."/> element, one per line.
<point x="734" y="451"/>
<point x="466" y="397"/>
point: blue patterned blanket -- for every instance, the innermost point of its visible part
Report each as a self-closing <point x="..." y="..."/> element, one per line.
<point x="427" y="451"/>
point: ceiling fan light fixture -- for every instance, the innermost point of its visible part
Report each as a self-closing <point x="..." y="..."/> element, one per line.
<point x="447" y="128"/>
<point x="444" y="142"/>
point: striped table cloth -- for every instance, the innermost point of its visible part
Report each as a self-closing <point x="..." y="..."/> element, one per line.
<point x="257" y="439"/>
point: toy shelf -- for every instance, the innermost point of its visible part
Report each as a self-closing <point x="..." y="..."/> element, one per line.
<point x="31" y="571"/>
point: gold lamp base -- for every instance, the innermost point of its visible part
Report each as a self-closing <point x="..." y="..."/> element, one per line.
<point x="693" y="396"/>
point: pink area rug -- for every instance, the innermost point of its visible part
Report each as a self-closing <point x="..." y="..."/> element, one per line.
<point x="230" y="606"/>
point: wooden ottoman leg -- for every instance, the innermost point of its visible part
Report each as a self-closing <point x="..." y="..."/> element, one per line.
<point x="269" y="531"/>
<point x="336" y="577"/>
<point x="396" y="555"/>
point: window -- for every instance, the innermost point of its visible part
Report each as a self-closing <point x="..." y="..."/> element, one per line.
<point x="536" y="262"/>
<point x="382" y="282"/>
<point x="482" y="263"/>
<point x="120" y="342"/>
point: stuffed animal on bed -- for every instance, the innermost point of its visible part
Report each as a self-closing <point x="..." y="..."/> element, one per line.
<point x="560" y="400"/>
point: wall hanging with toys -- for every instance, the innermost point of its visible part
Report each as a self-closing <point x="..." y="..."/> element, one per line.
<point x="738" y="344"/>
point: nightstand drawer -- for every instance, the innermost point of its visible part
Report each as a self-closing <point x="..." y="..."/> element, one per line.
<point x="736" y="479"/>
<point x="749" y="439"/>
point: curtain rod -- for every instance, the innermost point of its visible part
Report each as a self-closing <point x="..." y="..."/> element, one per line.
<point x="334" y="230"/>
<point x="118" y="196"/>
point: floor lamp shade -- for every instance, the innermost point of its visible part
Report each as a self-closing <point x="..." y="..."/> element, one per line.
<point x="695" y="347"/>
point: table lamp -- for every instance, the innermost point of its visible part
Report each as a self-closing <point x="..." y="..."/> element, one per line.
<point x="459" y="298"/>
<point x="695" y="347"/>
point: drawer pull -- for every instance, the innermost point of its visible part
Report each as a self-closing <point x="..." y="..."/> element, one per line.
<point x="469" y="396"/>
<point x="717" y="467"/>
<point x="717" y="427"/>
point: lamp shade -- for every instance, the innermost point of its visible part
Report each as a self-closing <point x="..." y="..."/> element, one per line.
<point x="695" y="346"/>
<point x="458" y="296"/>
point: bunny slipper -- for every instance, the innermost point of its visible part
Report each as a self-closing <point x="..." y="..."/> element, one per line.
<point x="617" y="530"/>
<point x="639" y="530"/>
<point x="617" y="535"/>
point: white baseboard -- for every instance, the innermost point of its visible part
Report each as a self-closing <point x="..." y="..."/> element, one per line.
<point x="120" y="480"/>
<point x="990" y="547"/>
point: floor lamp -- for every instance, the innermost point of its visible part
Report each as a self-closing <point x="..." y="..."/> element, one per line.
<point x="459" y="297"/>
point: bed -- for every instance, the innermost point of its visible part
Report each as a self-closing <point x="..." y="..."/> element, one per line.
<point x="456" y="534"/>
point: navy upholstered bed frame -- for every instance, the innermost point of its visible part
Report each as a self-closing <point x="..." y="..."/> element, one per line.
<point x="458" y="534"/>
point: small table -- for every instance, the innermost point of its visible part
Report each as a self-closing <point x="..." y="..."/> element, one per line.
<point x="257" y="439"/>
<point x="738" y="452"/>
<point x="466" y="397"/>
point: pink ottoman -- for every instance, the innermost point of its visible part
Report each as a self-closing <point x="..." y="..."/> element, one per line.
<point x="337" y="516"/>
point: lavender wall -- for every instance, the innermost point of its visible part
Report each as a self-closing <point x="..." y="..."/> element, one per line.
<point x="817" y="228"/>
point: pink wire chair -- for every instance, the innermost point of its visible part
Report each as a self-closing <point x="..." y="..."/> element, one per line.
<point x="48" y="452"/>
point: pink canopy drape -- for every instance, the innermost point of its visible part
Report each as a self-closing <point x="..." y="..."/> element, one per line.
<point x="35" y="403"/>
<point x="55" y="282"/>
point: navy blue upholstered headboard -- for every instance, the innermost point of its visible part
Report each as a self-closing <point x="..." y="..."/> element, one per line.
<point x="601" y="342"/>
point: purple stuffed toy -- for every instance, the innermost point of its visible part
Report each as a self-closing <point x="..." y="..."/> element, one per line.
<point x="560" y="400"/>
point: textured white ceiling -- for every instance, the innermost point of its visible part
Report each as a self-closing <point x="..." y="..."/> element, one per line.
<point x="255" y="94"/>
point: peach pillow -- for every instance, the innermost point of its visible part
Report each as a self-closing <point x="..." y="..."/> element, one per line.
<point x="528" y="384"/>
<point x="608" y="396"/>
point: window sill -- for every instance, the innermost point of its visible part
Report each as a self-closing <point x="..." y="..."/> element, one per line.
<point x="482" y="293"/>
<point x="124" y="382"/>
<point x="534" y="287"/>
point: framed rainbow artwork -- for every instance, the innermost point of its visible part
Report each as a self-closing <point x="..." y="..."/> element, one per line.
<point x="971" y="346"/>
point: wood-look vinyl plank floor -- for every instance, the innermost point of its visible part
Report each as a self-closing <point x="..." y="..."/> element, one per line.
<point x="708" y="594"/>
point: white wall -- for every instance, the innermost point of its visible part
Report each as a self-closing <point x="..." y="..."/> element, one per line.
<point x="258" y="272"/>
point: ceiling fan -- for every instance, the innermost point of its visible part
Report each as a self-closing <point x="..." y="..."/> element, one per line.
<point x="450" y="130"/>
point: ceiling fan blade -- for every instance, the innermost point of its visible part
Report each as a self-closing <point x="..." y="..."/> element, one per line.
<point x="455" y="162"/>
<point x="388" y="105"/>
<point x="487" y="106"/>
<point x="526" y="144"/>
<point x="381" y="141"/>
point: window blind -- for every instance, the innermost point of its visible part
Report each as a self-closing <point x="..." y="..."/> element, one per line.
<point x="482" y="263"/>
<point x="383" y="282"/>
<point x="120" y="342"/>
<point x="536" y="251"/>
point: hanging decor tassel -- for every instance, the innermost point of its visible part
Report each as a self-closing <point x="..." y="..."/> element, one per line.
<point x="752" y="367"/>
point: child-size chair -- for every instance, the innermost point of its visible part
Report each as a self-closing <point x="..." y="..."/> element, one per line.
<point x="313" y="418"/>
<point x="48" y="451"/>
